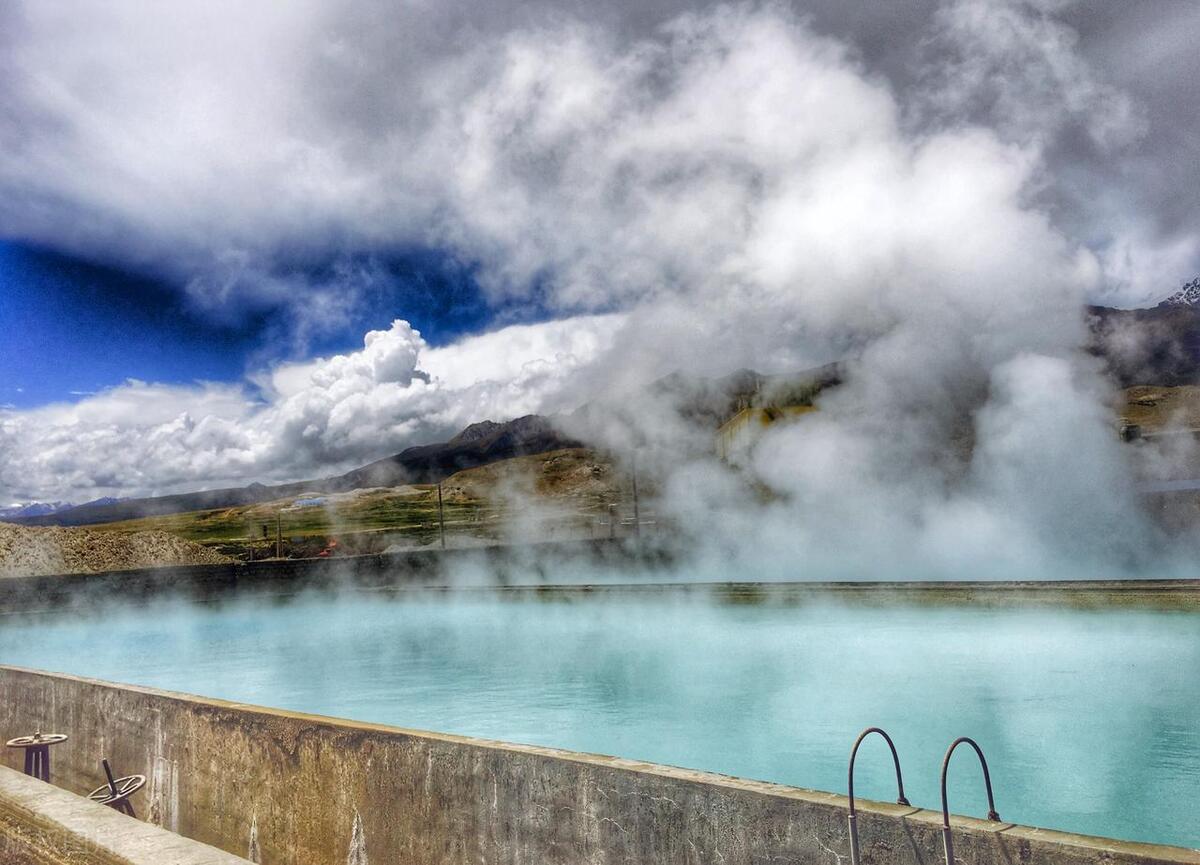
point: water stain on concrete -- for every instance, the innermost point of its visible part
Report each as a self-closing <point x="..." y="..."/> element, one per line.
<point x="253" y="853"/>
<point x="358" y="842"/>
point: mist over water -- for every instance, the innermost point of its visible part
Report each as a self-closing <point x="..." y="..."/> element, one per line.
<point x="1090" y="719"/>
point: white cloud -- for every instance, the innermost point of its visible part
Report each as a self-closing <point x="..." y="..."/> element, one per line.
<point x="331" y="413"/>
<point x="1139" y="263"/>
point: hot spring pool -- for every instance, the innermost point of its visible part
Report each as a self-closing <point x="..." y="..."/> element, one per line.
<point x="1090" y="719"/>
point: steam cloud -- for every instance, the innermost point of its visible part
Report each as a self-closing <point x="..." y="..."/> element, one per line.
<point x="745" y="190"/>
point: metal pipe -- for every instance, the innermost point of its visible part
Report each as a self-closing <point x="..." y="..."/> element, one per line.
<point x="441" y="516"/>
<point x="637" y="517"/>
<point x="900" y="797"/>
<point x="947" y="840"/>
<point x="112" y="784"/>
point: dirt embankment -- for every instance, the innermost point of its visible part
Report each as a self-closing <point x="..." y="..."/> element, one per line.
<point x="576" y="477"/>
<point x="1155" y="408"/>
<point x="27" y="551"/>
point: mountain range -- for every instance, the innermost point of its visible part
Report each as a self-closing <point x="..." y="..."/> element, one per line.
<point x="44" y="509"/>
<point x="35" y="509"/>
<point x="1159" y="346"/>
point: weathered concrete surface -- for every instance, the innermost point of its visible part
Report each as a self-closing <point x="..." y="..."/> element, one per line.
<point x="43" y="825"/>
<point x="220" y="771"/>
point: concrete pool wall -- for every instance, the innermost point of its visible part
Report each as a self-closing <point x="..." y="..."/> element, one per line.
<point x="309" y="789"/>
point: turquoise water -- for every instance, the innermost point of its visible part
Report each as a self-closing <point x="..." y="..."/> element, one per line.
<point x="1090" y="720"/>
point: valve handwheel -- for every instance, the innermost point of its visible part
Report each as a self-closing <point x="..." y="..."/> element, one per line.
<point x="37" y="752"/>
<point x="36" y="739"/>
<point x="115" y="794"/>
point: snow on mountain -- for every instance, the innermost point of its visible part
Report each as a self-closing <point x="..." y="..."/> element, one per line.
<point x="1189" y="295"/>
<point x="35" y="509"/>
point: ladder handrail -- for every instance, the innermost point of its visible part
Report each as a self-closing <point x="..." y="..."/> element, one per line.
<point x="900" y="799"/>
<point x="987" y="780"/>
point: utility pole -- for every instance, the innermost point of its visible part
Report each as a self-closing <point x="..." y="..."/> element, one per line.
<point x="279" y="534"/>
<point x="637" y="519"/>
<point x="441" y="515"/>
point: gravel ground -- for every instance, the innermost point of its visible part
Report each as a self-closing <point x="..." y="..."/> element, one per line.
<point x="27" y="551"/>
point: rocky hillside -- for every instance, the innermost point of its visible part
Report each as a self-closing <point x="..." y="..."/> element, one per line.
<point x="574" y="477"/>
<point x="1154" y="409"/>
<point x="27" y="551"/>
<point x="479" y="444"/>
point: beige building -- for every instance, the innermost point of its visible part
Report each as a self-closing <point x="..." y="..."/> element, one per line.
<point x="738" y="435"/>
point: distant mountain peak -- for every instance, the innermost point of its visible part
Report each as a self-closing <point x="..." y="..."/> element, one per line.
<point x="1189" y="295"/>
<point x="35" y="509"/>
<point x="477" y="430"/>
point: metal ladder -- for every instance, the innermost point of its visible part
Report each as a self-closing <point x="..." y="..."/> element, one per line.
<point x="900" y="798"/>
<point x="947" y="841"/>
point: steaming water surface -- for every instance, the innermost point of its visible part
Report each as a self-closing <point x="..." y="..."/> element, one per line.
<point x="1090" y="719"/>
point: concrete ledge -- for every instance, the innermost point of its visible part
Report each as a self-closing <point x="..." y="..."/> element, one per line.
<point x="532" y="570"/>
<point x="1177" y="594"/>
<point x="43" y="825"/>
<point x="309" y="788"/>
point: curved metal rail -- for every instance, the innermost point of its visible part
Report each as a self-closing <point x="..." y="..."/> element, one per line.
<point x="947" y="841"/>
<point x="900" y="798"/>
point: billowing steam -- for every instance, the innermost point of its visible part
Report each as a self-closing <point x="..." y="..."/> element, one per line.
<point x="744" y="191"/>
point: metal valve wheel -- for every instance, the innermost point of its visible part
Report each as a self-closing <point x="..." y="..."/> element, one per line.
<point x="122" y="788"/>
<point x="37" y="739"/>
<point x="115" y="794"/>
<point x="37" y="752"/>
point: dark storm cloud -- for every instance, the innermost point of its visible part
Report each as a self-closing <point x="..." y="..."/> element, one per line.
<point x="1149" y="50"/>
<point x="245" y="154"/>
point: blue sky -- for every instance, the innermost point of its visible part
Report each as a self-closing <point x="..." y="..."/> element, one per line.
<point x="72" y="327"/>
